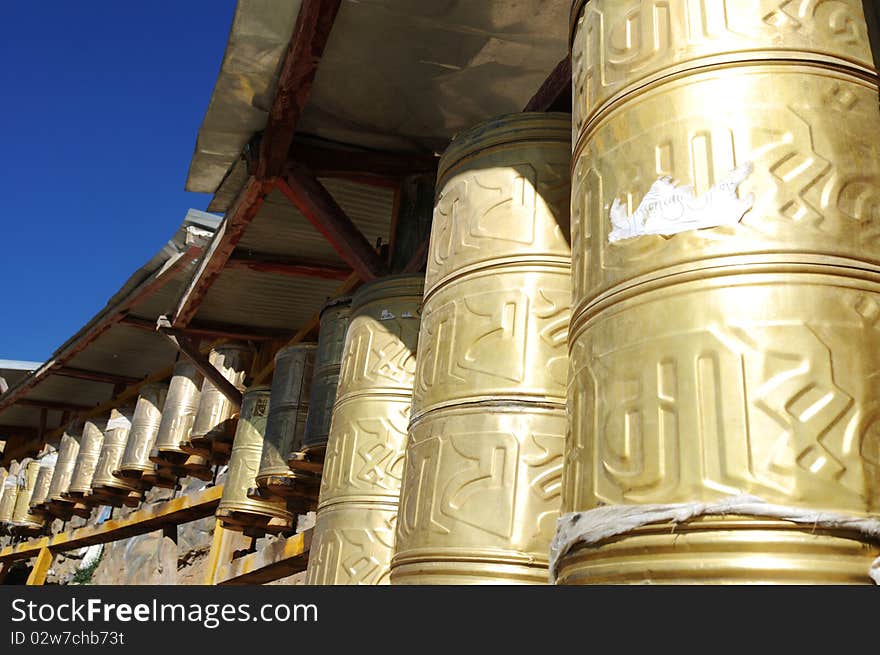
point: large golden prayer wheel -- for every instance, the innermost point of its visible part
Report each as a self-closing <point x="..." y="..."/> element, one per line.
<point x="481" y="489"/>
<point x="237" y="511"/>
<point x="214" y="424"/>
<point x="723" y="339"/>
<point x="68" y="449"/>
<point x="288" y="411"/>
<point x="307" y="454"/>
<point x="106" y="486"/>
<point x="87" y="458"/>
<point x="22" y="517"/>
<point x="360" y="486"/>
<point x="142" y="435"/>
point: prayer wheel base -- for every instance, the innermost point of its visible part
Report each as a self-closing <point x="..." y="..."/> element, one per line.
<point x="438" y="572"/>
<point x="252" y="524"/>
<point x="716" y="550"/>
<point x="310" y="460"/>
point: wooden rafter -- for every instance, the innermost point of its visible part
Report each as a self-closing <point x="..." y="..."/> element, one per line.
<point x="94" y="376"/>
<point x="51" y="404"/>
<point x="310" y="34"/>
<point x="190" y="349"/>
<point x="345" y="162"/>
<point x="554" y="89"/>
<point x="319" y="207"/>
<point x="265" y="263"/>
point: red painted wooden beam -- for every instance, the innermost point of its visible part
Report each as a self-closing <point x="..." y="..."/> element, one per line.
<point x="263" y="263"/>
<point x="304" y="190"/>
<point x="310" y="34"/>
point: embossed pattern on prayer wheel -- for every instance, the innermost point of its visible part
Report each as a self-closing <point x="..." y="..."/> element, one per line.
<point x="360" y="485"/>
<point x="44" y="479"/>
<point x="725" y="271"/>
<point x="481" y="488"/>
<point x="236" y="510"/>
<point x="215" y="409"/>
<point x="144" y="427"/>
<point x="68" y="449"/>
<point x="288" y="412"/>
<point x="87" y="458"/>
<point x="179" y="411"/>
<point x="112" y="449"/>
<point x="27" y="480"/>
<point x="335" y="317"/>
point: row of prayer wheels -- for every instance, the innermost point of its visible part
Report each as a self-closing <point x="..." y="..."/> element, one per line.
<point x="661" y="305"/>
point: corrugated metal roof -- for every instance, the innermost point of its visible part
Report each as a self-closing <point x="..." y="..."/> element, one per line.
<point x="244" y="89"/>
<point x="263" y="300"/>
<point x="280" y="229"/>
<point x="395" y="75"/>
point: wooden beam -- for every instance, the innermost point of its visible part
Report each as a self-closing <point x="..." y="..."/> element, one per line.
<point x="229" y="331"/>
<point x="190" y="350"/>
<point x="41" y="430"/>
<point x="554" y="89"/>
<point x="246" y="207"/>
<point x="304" y="190"/>
<point x="137" y="322"/>
<point x="276" y="560"/>
<point x="94" y="376"/>
<point x="264" y="263"/>
<point x="309" y="37"/>
<point x="18" y="430"/>
<point x="51" y="404"/>
<point x="41" y="567"/>
<point x="419" y="259"/>
<point x="183" y="509"/>
<point x="338" y="160"/>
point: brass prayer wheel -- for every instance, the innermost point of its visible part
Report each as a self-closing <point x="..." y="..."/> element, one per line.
<point x="334" y="320"/>
<point x="215" y="419"/>
<point x="360" y="486"/>
<point x="236" y="510"/>
<point x="22" y="517"/>
<point x="87" y="458"/>
<point x="481" y="489"/>
<point x="112" y="449"/>
<point x="142" y="434"/>
<point x="7" y="499"/>
<point x="288" y="410"/>
<point x="40" y="495"/>
<point x="723" y="336"/>
<point x="178" y="413"/>
<point x="68" y="449"/>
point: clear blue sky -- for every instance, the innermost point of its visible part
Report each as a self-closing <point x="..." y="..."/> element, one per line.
<point x="101" y="103"/>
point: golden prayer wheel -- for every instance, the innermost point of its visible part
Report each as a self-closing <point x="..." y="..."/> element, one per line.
<point x="40" y="495"/>
<point x="481" y="489"/>
<point x="104" y="480"/>
<point x="68" y="449"/>
<point x="236" y="510"/>
<point x="291" y="386"/>
<point x="3" y="475"/>
<point x="178" y="413"/>
<point x="307" y="454"/>
<point x="7" y="499"/>
<point x="144" y="428"/>
<point x="360" y="486"/>
<point x="723" y="337"/>
<point x="215" y="420"/>
<point x="22" y="517"/>
<point x="87" y="458"/>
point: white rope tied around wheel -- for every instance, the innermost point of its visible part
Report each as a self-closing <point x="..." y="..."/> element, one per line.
<point x="594" y="525"/>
